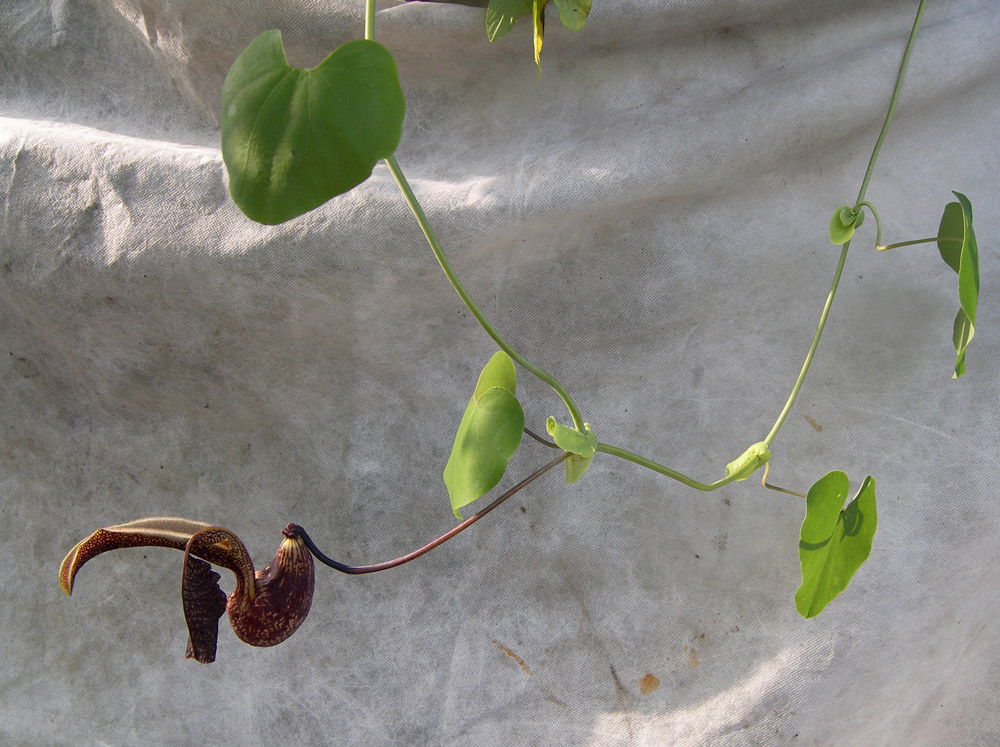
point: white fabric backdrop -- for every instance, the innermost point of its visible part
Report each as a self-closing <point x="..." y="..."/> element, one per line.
<point x="647" y="221"/>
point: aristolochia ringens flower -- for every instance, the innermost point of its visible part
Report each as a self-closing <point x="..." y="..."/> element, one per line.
<point x="265" y="608"/>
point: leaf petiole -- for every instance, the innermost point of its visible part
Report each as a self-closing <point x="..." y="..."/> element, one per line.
<point x="918" y="241"/>
<point x="878" y="221"/>
<point x="370" y="20"/>
<point x="769" y="486"/>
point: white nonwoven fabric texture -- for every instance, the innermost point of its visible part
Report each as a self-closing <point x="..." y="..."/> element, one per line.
<point x="646" y="220"/>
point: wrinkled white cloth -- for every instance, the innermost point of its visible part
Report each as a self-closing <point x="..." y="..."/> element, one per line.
<point x="646" y="221"/>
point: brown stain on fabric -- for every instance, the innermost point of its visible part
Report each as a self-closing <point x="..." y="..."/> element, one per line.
<point x="692" y="657"/>
<point x="514" y="656"/>
<point x="649" y="683"/>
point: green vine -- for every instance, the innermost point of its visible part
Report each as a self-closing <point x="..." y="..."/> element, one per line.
<point x="277" y="171"/>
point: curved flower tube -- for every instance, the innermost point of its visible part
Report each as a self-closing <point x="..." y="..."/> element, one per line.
<point x="266" y="607"/>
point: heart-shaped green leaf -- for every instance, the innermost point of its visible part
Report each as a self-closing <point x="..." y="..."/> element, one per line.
<point x="487" y="437"/>
<point x="957" y="244"/>
<point x="294" y="138"/>
<point x="834" y="541"/>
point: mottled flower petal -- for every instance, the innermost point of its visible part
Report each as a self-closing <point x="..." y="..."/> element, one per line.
<point x="204" y="603"/>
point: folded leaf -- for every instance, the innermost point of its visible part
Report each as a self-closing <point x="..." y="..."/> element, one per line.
<point x="961" y="337"/>
<point x="569" y="439"/>
<point x="958" y="248"/>
<point x="538" y="18"/>
<point x="581" y="445"/>
<point x="576" y="467"/>
<point x="843" y="223"/>
<point x="749" y="461"/>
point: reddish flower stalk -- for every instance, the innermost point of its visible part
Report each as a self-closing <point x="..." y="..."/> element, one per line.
<point x="268" y="605"/>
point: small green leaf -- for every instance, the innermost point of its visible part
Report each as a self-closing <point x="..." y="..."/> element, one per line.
<point x="834" y="541"/>
<point x="573" y="13"/>
<point x="501" y="15"/>
<point x="581" y="445"/>
<point x="961" y="336"/>
<point x="749" y="461"/>
<point x="961" y="255"/>
<point x="570" y="439"/>
<point x="293" y="138"/>
<point x="576" y="466"/>
<point x="843" y="223"/>
<point x="487" y="437"/>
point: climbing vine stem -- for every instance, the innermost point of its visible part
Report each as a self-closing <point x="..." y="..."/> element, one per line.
<point x="843" y="253"/>
<point x="435" y="245"/>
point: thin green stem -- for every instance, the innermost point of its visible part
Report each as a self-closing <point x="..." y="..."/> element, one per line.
<point x="370" y="20"/>
<point x="656" y="467"/>
<point x="769" y="486"/>
<point x="878" y="221"/>
<point x="691" y="482"/>
<point x="843" y="254"/>
<point x="812" y="348"/>
<point x="893" y="101"/>
<point x="918" y="241"/>
<point x="425" y="226"/>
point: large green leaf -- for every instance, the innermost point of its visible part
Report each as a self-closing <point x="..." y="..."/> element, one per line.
<point x="487" y="437"/>
<point x="294" y="138"/>
<point x="573" y="13"/>
<point x="501" y="15"/>
<point x="957" y="244"/>
<point x="834" y="541"/>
